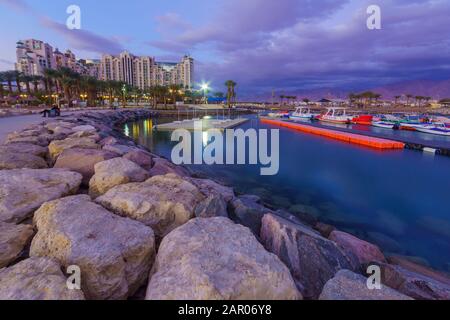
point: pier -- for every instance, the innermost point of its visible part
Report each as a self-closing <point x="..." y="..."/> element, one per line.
<point x="221" y="124"/>
<point x="372" y="142"/>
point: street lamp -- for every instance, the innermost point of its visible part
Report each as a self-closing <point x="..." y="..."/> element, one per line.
<point x="205" y="87"/>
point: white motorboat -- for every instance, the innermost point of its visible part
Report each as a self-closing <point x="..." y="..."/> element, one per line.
<point x="302" y="113"/>
<point x="384" y="124"/>
<point x="336" y="115"/>
<point x="440" y="130"/>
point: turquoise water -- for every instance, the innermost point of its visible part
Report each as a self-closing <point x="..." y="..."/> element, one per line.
<point x="396" y="199"/>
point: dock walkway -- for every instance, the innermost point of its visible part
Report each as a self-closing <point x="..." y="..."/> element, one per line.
<point x="207" y="124"/>
<point x="372" y="142"/>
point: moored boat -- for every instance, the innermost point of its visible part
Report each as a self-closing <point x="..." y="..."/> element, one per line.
<point x="440" y="130"/>
<point x="336" y="115"/>
<point x="385" y="124"/>
<point x="363" y="119"/>
<point x="302" y="113"/>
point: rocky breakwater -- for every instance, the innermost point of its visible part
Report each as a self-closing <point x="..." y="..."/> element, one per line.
<point x="74" y="191"/>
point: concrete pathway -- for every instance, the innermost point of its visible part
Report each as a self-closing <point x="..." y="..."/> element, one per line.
<point x="11" y="124"/>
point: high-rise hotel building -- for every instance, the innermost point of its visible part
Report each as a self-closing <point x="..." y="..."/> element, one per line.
<point x="144" y="72"/>
<point x="35" y="56"/>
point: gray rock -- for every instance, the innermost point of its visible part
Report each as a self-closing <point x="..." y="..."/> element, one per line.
<point x="246" y="211"/>
<point x="141" y="158"/>
<point x="162" y="167"/>
<point x="215" y="259"/>
<point x="12" y="160"/>
<point x="364" y="251"/>
<point x="213" y="206"/>
<point x="427" y="286"/>
<point x="324" y="229"/>
<point x="27" y="148"/>
<point x="13" y="239"/>
<point x="312" y="259"/>
<point x="209" y="187"/>
<point x="36" y="279"/>
<point x="114" y="254"/>
<point x="118" y="148"/>
<point x="24" y="191"/>
<point x="347" y="285"/>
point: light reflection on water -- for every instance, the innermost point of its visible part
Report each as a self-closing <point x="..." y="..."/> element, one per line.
<point x="396" y="199"/>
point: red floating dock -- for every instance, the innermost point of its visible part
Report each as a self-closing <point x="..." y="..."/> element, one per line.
<point x="376" y="143"/>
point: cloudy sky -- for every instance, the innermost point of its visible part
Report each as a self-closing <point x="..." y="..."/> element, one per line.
<point x="264" y="45"/>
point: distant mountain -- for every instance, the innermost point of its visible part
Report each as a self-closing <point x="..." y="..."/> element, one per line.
<point x="437" y="89"/>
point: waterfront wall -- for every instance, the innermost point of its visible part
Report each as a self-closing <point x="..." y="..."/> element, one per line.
<point x="76" y="194"/>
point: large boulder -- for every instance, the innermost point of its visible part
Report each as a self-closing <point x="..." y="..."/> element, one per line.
<point x="114" y="172"/>
<point x="27" y="148"/>
<point x="247" y="211"/>
<point x="83" y="161"/>
<point x="364" y="251"/>
<point x="162" y="167"/>
<point x="212" y="188"/>
<point x="114" y="254"/>
<point x="58" y="146"/>
<point x="118" y="148"/>
<point x="215" y="259"/>
<point x="347" y="285"/>
<point x="36" y="279"/>
<point x="161" y="202"/>
<point x="141" y="158"/>
<point x="13" y="239"/>
<point x="12" y="160"/>
<point x="213" y="206"/>
<point x="420" y="286"/>
<point x="24" y="191"/>
<point x="312" y="259"/>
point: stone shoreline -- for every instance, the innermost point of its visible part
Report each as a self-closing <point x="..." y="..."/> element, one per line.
<point x="74" y="191"/>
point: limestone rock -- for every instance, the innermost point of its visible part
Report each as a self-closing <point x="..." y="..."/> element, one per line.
<point x="114" y="254"/>
<point x="118" y="148"/>
<point x="312" y="259"/>
<point x="11" y="160"/>
<point x="364" y="251"/>
<point x="162" y="167"/>
<point x="215" y="259"/>
<point x="210" y="187"/>
<point x="114" y="172"/>
<point x="213" y="206"/>
<point x="13" y="239"/>
<point x="141" y="158"/>
<point x="324" y="229"/>
<point x="24" y="191"/>
<point x="347" y="285"/>
<point x="245" y="211"/>
<point x="162" y="202"/>
<point x="413" y="284"/>
<point x="58" y="146"/>
<point x="36" y="279"/>
<point x="83" y="161"/>
<point x="85" y="128"/>
<point x="27" y="148"/>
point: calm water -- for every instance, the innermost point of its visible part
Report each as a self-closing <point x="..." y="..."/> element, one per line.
<point x="396" y="199"/>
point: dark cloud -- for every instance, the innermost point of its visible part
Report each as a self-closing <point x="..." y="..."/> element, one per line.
<point x="83" y="39"/>
<point x="295" y="45"/>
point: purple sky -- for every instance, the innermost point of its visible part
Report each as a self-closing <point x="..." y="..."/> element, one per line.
<point x="264" y="45"/>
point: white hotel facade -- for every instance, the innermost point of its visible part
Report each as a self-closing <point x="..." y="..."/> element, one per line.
<point x="144" y="72"/>
<point x="35" y="56"/>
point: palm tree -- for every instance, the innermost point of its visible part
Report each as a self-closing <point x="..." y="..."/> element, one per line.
<point x="408" y="98"/>
<point x="9" y="77"/>
<point x="231" y="93"/>
<point x="36" y="80"/>
<point x="68" y="79"/>
<point x="174" y="90"/>
<point x="396" y="99"/>
<point x="2" y="90"/>
<point x="27" y="79"/>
